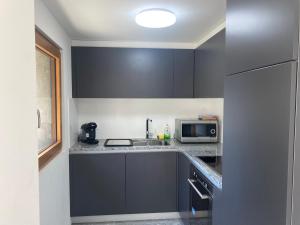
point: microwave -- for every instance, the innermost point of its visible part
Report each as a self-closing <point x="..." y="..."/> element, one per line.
<point x="196" y="131"/>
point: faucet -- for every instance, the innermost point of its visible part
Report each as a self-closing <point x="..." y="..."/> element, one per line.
<point x="148" y="134"/>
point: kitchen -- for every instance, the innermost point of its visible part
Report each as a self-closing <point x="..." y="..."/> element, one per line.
<point x="131" y="139"/>
<point x="144" y="112"/>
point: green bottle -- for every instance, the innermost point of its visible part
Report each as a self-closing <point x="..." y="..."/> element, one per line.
<point x="167" y="135"/>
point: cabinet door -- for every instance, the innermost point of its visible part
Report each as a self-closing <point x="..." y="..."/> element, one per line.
<point x="184" y="166"/>
<point x="210" y="68"/>
<point x="97" y="184"/>
<point x="217" y="208"/>
<point x="122" y="72"/>
<point x="151" y="182"/>
<point x="296" y="186"/>
<point x="258" y="146"/>
<point x="260" y="33"/>
<point x="183" y="73"/>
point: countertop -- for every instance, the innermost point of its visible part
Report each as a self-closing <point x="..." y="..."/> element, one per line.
<point x="190" y="150"/>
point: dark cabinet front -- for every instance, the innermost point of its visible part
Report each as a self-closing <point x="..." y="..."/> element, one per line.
<point x="210" y="68"/>
<point x="131" y="73"/>
<point x="217" y="208"/>
<point x="119" y="183"/>
<point x="97" y="184"/>
<point x="151" y="182"/>
<point x="184" y="166"/>
<point x="183" y="73"/>
<point x="260" y="33"/>
<point x="149" y="73"/>
<point x="258" y="139"/>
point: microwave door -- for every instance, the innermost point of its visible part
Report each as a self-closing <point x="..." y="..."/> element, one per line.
<point x="199" y="132"/>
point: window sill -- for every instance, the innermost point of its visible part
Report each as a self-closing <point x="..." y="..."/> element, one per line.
<point x="48" y="154"/>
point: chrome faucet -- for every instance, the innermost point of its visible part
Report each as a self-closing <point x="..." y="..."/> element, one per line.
<point x="148" y="134"/>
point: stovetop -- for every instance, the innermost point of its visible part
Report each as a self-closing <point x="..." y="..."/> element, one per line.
<point x="215" y="162"/>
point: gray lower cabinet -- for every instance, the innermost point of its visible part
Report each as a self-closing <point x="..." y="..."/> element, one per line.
<point x="184" y="166"/>
<point x="118" y="183"/>
<point x="217" y="208"/>
<point x="151" y="182"/>
<point x="132" y="73"/>
<point x="210" y="68"/>
<point x="97" y="184"/>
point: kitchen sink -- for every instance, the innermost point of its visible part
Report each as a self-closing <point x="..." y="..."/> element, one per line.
<point x="149" y="143"/>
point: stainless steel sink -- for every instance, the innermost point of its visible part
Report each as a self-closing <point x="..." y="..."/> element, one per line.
<point x="149" y="143"/>
<point x="139" y="143"/>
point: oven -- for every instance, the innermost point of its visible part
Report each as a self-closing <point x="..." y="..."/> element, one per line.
<point x="201" y="198"/>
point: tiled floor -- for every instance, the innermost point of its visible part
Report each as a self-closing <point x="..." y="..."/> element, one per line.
<point x="150" y="222"/>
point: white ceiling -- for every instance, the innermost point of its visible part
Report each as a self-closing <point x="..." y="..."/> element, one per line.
<point x="113" y="20"/>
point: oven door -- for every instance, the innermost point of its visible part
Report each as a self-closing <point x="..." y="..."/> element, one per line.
<point x="200" y="203"/>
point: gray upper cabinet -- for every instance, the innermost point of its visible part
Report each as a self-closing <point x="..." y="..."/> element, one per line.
<point x="210" y="68"/>
<point x="183" y="73"/>
<point x="97" y="184"/>
<point x="260" y="33"/>
<point x="130" y="73"/>
<point x="151" y="182"/>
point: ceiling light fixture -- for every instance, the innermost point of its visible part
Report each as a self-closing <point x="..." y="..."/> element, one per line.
<point x="155" y="18"/>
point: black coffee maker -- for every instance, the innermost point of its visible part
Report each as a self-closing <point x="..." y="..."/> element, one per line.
<point x="88" y="134"/>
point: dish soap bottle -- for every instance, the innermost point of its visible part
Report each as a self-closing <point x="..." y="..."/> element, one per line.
<point x="167" y="135"/>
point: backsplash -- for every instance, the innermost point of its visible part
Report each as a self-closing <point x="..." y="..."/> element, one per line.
<point x="126" y="118"/>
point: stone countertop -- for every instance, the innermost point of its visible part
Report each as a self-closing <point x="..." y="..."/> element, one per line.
<point x="191" y="151"/>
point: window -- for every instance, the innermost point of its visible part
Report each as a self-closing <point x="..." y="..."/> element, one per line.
<point x="48" y="99"/>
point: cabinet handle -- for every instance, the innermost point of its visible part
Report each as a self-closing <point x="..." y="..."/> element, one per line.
<point x="39" y="118"/>
<point x="202" y="196"/>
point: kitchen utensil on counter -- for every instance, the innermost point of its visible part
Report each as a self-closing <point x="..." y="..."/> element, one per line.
<point x="88" y="134"/>
<point x="161" y="136"/>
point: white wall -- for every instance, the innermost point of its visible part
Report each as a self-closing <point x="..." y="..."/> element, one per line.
<point x="18" y="161"/>
<point x="54" y="178"/>
<point x="126" y="118"/>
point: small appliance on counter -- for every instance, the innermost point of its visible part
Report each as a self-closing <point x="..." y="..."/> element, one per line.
<point x="88" y="134"/>
<point x="202" y="130"/>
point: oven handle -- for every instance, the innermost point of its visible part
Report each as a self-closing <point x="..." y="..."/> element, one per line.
<point x="202" y="196"/>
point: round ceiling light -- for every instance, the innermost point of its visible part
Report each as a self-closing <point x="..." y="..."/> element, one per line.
<point x="155" y="18"/>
